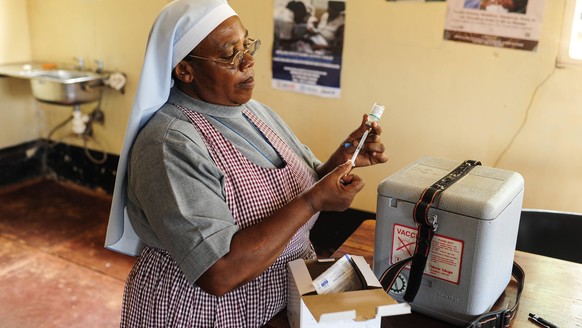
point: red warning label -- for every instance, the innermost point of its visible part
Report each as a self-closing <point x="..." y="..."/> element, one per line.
<point x="444" y="259"/>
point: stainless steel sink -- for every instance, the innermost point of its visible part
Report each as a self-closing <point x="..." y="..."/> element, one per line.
<point x="65" y="87"/>
<point x="64" y="76"/>
<point x="61" y="86"/>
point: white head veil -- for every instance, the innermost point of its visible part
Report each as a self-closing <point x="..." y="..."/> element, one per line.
<point x="178" y="29"/>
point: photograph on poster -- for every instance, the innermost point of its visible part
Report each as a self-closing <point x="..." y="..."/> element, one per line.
<point x="499" y="6"/>
<point x="308" y="45"/>
<point x="512" y="24"/>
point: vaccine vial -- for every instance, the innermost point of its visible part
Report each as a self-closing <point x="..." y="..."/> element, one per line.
<point x="375" y="114"/>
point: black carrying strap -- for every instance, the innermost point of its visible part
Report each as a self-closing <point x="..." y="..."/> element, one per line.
<point x="426" y="229"/>
<point x="502" y="318"/>
<point x="493" y="319"/>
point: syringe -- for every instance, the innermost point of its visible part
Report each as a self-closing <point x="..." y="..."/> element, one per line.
<point x="375" y="114"/>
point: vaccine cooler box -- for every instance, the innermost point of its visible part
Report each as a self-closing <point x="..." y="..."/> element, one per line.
<point x="471" y="257"/>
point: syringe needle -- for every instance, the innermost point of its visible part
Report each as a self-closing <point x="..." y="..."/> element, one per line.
<point x="360" y="144"/>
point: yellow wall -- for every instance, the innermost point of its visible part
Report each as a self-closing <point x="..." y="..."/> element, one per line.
<point x="18" y="114"/>
<point x="443" y="98"/>
<point x="109" y="30"/>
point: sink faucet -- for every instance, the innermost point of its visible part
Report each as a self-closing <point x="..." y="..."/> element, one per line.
<point x="80" y="63"/>
<point x="99" y="68"/>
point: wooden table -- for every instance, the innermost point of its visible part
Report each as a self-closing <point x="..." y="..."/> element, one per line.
<point x="553" y="288"/>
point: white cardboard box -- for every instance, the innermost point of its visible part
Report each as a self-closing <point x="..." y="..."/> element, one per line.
<point x="362" y="308"/>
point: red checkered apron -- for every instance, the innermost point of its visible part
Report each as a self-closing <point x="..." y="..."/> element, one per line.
<point x="157" y="293"/>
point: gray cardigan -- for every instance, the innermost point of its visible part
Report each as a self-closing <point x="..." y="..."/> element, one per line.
<point x="176" y="195"/>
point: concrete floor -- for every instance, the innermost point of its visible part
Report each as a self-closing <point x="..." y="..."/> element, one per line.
<point x="54" y="271"/>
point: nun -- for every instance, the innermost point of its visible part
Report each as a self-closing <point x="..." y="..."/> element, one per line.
<point x="214" y="193"/>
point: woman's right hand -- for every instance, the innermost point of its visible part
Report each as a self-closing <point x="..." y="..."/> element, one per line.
<point x="336" y="190"/>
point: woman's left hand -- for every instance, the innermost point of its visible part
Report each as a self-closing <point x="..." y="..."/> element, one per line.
<point x="373" y="150"/>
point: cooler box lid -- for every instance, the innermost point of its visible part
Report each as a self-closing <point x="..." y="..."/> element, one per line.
<point x="483" y="193"/>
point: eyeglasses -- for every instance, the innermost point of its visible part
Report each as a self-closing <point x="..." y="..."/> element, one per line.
<point x="251" y="47"/>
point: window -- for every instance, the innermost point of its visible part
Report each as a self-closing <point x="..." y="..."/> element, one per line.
<point x="571" y="43"/>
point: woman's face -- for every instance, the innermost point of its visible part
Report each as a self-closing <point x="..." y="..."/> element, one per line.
<point x="217" y="82"/>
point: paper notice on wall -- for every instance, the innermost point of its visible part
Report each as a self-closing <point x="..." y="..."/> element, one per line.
<point x="308" y="46"/>
<point x="445" y="257"/>
<point x="512" y="24"/>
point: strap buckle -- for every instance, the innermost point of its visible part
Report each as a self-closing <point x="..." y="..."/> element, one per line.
<point x="433" y="221"/>
<point x="497" y="319"/>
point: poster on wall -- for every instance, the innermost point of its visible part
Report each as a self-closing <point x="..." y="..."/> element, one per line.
<point x="512" y="24"/>
<point x="308" y="46"/>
